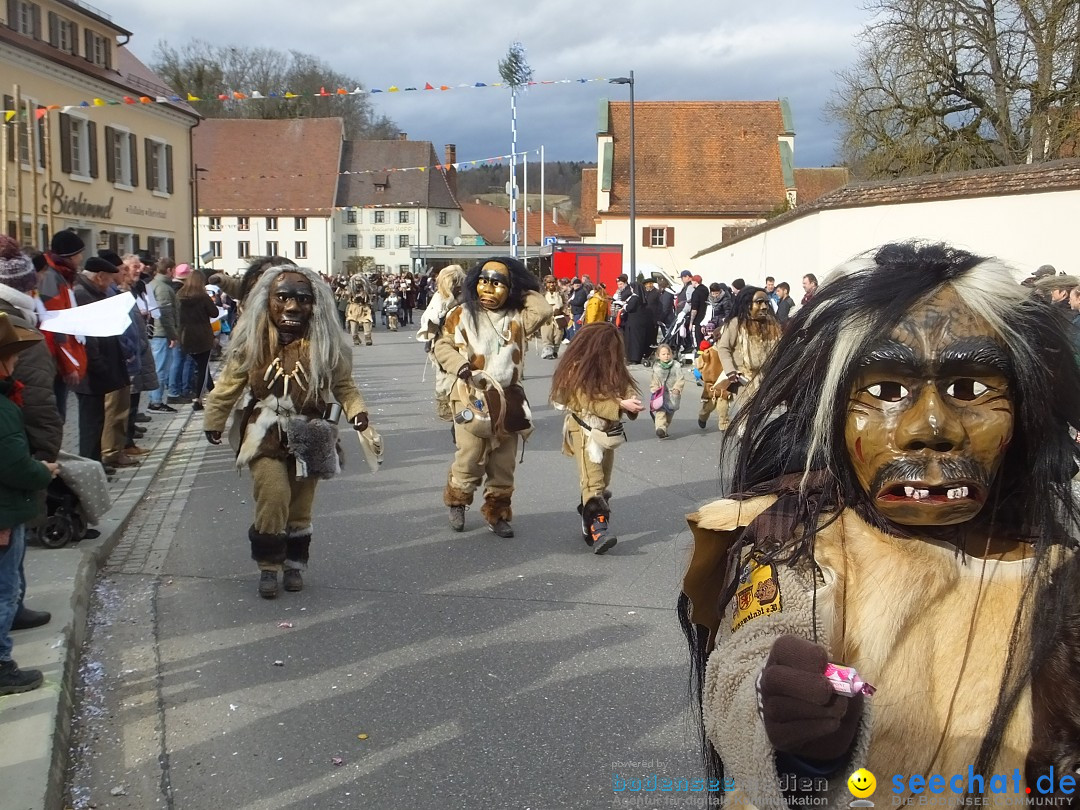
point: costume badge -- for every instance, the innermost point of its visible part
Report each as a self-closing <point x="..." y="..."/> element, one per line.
<point x="757" y="596"/>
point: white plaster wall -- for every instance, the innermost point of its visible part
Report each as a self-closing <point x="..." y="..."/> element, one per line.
<point x="1026" y="230"/>
<point x="691" y="235"/>
<point x="317" y="236"/>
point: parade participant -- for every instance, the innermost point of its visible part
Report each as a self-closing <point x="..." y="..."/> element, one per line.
<point x="501" y="309"/>
<point x="358" y="313"/>
<point x="289" y="354"/>
<point x="447" y="296"/>
<point x="744" y="345"/>
<point x="666" y="387"/>
<point x="594" y="387"/>
<point x="909" y="515"/>
<point x="551" y="334"/>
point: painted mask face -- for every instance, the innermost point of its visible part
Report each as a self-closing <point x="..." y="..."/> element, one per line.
<point x="759" y="306"/>
<point x="292" y="301"/>
<point x="551" y="285"/>
<point x="493" y="286"/>
<point x="931" y="416"/>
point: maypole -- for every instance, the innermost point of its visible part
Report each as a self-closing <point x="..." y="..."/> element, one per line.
<point x="515" y="72"/>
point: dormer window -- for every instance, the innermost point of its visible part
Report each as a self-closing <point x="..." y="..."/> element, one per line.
<point x="25" y="18"/>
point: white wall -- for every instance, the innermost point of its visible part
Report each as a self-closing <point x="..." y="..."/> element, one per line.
<point x="316" y="235"/>
<point x="691" y="235"/>
<point x="1026" y="230"/>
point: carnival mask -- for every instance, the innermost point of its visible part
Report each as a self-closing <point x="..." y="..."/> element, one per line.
<point x="493" y="286"/>
<point x="759" y="306"/>
<point x="292" y="300"/>
<point x="930" y="416"/>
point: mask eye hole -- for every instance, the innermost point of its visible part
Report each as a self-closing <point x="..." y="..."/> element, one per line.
<point x="888" y="391"/>
<point x="966" y="389"/>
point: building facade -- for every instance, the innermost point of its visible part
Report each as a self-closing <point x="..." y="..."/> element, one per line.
<point x="246" y="209"/>
<point x="93" y="140"/>
<point x="394" y="199"/>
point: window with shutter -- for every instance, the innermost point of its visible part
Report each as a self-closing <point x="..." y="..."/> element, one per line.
<point x="65" y="143"/>
<point x="91" y="145"/>
<point x="134" y="159"/>
<point x="168" y="169"/>
<point x="646" y="237"/>
<point x="670" y="237"/>
<point x="110" y="154"/>
<point x="54" y="29"/>
<point x="151" y="174"/>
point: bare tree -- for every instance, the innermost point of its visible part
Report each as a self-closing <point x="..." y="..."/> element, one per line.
<point x="207" y="71"/>
<point x="943" y="85"/>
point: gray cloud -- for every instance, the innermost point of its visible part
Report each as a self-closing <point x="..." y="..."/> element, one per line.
<point x="678" y="51"/>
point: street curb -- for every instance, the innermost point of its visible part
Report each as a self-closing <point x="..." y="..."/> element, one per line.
<point x="40" y="781"/>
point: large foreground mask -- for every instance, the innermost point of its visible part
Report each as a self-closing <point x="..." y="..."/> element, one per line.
<point x="292" y="301"/>
<point x="931" y="415"/>
<point x="493" y="286"/>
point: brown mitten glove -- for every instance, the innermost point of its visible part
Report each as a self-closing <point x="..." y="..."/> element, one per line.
<point x="801" y="712"/>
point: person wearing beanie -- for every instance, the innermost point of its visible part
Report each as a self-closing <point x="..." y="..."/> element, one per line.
<point x="21" y="475"/>
<point x="35" y="372"/>
<point x="55" y="288"/>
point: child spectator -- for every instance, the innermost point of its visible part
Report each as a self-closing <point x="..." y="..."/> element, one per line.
<point x="667" y="384"/>
<point x="594" y="387"/>
<point x="391" y="308"/>
<point x="20" y="477"/>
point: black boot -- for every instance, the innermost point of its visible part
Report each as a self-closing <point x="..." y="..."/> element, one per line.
<point x="14" y="680"/>
<point x="596" y="516"/>
<point x="26" y="618"/>
<point x="267" y="549"/>
<point x="297" y="550"/>
<point x="268" y="584"/>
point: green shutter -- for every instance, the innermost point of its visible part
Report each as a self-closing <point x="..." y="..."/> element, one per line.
<point x="787" y="160"/>
<point x="603" y="125"/>
<point x="605" y="170"/>
<point x="785" y="112"/>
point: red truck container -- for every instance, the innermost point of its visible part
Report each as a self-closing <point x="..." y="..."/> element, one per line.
<point x="601" y="263"/>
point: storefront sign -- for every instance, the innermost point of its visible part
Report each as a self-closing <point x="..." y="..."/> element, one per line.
<point x="77" y="206"/>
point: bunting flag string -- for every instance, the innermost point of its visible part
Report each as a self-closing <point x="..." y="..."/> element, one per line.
<point x="255" y="95"/>
<point x="480" y="162"/>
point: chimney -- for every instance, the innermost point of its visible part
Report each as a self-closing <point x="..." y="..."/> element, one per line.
<point x="449" y="169"/>
<point x="403" y="136"/>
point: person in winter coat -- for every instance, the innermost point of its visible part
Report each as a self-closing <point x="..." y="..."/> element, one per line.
<point x="666" y="386"/>
<point x="597" y="306"/>
<point x="107" y="372"/>
<point x="639" y="308"/>
<point x="197" y="310"/>
<point x="21" y="476"/>
<point x="447" y="295"/>
<point x="56" y="291"/>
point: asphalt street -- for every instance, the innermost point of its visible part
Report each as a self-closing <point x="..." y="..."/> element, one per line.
<point x="419" y="668"/>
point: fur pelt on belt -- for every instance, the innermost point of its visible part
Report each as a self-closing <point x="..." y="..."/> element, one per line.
<point x="314" y="444"/>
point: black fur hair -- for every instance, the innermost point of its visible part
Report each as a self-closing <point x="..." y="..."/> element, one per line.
<point x="1031" y="497"/>
<point x="521" y="281"/>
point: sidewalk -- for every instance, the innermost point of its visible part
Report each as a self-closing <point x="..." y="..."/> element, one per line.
<point x="35" y="727"/>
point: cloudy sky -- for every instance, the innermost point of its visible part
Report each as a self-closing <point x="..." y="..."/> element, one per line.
<point x="678" y="50"/>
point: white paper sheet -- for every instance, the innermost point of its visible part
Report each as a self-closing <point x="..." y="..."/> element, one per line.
<point x="107" y="318"/>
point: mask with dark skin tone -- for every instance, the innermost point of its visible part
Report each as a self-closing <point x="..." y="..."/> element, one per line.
<point x="759" y="307"/>
<point x="930" y="416"/>
<point x="291" y="303"/>
<point x="493" y="286"/>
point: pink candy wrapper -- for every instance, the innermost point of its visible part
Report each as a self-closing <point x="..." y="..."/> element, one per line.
<point x="846" y="681"/>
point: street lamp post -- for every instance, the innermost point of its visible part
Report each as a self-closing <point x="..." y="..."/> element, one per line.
<point x="196" y="171"/>
<point x="629" y="80"/>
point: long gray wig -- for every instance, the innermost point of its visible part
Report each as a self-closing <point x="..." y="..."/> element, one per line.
<point x="255" y="338"/>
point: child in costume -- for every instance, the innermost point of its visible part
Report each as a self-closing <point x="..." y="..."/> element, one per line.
<point x="594" y="387"/>
<point x="666" y="386"/>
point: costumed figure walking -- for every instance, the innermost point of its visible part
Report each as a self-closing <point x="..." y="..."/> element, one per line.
<point x="447" y="295"/>
<point x="483" y="344"/>
<point x="894" y="586"/>
<point x="742" y="348"/>
<point x="358" y="315"/>
<point x="594" y="387"/>
<point x="551" y="334"/>
<point x="288" y="363"/>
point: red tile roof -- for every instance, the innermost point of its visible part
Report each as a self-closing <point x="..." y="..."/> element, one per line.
<point x="698" y="157"/>
<point x="285" y="166"/>
<point x="1058" y="175"/>
<point x="492" y="222"/>
<point x="813" y="183"/>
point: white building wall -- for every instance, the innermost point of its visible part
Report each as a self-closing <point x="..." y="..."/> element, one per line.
<point x="1026" y="230"/>
<point x="316" y="238"/>
<point x="691" y="235"/>
<point x="423" y="228"/>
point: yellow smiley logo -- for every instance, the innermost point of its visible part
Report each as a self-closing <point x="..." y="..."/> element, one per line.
<point x="862" y="784"/>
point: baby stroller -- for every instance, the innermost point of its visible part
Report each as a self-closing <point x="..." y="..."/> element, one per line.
<point x="675" y="336"/>
<point x="77" y="498"/>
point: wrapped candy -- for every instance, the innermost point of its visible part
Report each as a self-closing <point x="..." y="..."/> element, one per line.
<point x="846" y="681"/>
